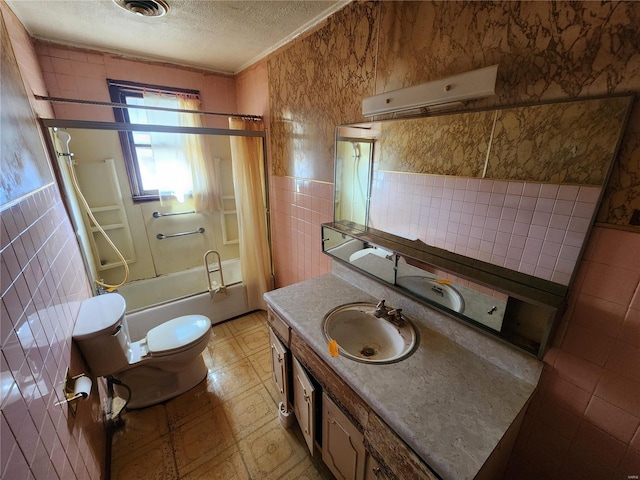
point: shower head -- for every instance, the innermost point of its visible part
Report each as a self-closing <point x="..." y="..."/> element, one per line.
<point x="64" y="138"/>
<point x="356" y="150"/>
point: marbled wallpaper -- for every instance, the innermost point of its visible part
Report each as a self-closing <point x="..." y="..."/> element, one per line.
<point x="568" y="142"/>
<point x="315" y="85"/>
<point x="546" y="51"/>
<point x="446" y="145"/>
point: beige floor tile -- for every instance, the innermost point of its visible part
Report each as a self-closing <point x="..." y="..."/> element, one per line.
<point x="201" y="439"/>
<point x="201" y="398"/>
<point x="232" y="380"/>
<point x="225" y="353"/>
<point x="261" y="361"/>
<point x="249" y="410"/>
<point x="254" y="340"/>
<point x="226" y="466"/>
<point x="220" y="332"/>
<point x="152" y="461"/>
<point x="308" y="469"/>
<point x="248" y="322"/>
<point x="140" y="426"/>
<point x="271" y="451"/>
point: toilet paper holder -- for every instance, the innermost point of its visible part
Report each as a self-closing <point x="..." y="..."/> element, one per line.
<point x="75" y="388"/>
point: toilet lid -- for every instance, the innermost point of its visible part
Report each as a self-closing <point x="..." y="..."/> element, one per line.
<point x="177" y="333"/>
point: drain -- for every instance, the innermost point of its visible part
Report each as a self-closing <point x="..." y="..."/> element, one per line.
<point x="367" y="351"/>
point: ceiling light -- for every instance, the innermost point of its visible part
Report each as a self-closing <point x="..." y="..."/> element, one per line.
<point x="144" y="8"/>
<point x="457" y="88"/>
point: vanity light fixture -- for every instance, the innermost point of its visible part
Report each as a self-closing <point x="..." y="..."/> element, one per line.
<point x="436" y="94"/>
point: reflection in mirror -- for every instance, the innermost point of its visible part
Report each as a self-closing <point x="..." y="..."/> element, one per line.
<point x="516" y="187"/>
<point x="374" y="260"/>
<point x="525" y="323"/>
<point x="353" y="179"/>
<point x="425" y="282"/>
<point x="487" y="212"/>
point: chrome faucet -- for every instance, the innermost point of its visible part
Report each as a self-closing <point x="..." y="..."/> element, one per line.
<point x="393" y="315"/>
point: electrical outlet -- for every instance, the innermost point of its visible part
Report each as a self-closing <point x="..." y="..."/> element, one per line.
<point x="635" y="217"/>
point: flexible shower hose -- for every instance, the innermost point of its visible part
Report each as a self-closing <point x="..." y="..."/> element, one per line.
<point x="76" y="187"/>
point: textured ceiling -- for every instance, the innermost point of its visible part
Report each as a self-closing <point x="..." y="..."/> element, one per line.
<point x="223" y="36"/>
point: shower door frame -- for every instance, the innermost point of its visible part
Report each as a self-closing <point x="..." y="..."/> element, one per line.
<point x="47" y="123"/>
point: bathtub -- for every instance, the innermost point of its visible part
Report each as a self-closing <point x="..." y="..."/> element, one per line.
<point x="154" y="301"/>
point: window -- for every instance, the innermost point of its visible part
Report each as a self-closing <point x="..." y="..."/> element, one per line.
<point x="157" y="163"/>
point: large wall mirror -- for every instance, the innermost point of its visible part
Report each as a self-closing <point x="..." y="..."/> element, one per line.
<point x="478" y="211"/>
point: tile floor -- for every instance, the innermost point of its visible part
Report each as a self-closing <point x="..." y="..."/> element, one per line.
<point x="226" y="427"/>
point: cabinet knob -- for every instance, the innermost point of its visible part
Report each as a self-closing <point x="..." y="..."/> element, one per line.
<point x="376" y="472"/>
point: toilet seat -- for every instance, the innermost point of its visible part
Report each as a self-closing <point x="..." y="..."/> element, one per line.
<point x="177" y="334"/>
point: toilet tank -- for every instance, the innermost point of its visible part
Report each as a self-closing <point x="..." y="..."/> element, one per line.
<point x="101" y="333"/>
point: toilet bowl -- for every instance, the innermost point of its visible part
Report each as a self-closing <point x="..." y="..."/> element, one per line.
<point x="164" y="364"/>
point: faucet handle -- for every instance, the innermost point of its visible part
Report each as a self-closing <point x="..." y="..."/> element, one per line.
<point x="395" y="317"/>
<point x="380" y="305"/>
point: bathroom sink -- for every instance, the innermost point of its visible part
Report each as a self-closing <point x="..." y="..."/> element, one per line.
<point x="363" y="337"/>
<point x="430" y="289"/>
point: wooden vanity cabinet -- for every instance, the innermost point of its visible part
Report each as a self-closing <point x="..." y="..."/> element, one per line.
<point x="373" y="470"/>
<point x="356" y="443"/>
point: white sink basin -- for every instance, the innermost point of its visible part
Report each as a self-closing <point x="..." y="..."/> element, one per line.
<point x="365" y="338"/>
<point x="430" y="289"/>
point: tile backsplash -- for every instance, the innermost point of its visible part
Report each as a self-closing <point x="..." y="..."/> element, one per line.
<point x="533" y="228"/>
<point x="298" y="208"/>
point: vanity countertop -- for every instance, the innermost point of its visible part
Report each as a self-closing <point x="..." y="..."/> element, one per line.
<point x="450" y="405"/>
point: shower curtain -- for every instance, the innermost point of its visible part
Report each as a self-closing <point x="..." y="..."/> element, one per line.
<point x="247" y="156"/>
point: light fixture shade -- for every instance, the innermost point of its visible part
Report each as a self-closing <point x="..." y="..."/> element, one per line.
<point x="464" y="86"/>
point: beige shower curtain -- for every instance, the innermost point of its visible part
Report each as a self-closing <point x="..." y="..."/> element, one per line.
<point x="247" y="156"/>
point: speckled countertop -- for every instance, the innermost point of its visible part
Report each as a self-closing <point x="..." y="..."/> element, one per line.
<point x="451" y="405"/>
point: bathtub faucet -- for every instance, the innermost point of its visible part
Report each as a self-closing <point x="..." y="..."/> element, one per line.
<point x="100" y="289"/>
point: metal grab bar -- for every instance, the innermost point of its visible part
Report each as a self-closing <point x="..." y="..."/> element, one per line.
<point x="213" y="286"/>
<point x="158" y="214"/>
<point x="162" y="236"/>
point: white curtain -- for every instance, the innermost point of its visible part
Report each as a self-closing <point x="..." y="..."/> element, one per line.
<point x="247" y="156"/>
<point x="203" y="173"/>
<point x="182" y="163"/>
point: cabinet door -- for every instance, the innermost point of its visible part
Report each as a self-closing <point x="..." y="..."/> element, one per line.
<point x="342" y="444"/>
<point x="303" y="402"/>
<point x="280" y="367"/>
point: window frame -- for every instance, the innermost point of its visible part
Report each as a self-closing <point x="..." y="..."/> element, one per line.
<point x="119" y="90"/>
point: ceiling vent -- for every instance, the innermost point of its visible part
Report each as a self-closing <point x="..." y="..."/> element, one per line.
<point x="144" y="8"/>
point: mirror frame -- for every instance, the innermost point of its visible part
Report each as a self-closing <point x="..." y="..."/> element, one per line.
<point x="528" y="289"/>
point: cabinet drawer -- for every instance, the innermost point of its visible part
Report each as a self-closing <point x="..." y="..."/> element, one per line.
<point x="279" y="326"/>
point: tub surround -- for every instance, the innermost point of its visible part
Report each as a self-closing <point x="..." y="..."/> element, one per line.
<point x="451" y="405"/>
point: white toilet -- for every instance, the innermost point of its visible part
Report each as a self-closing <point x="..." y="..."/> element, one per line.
<point x="166" y="363"/>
